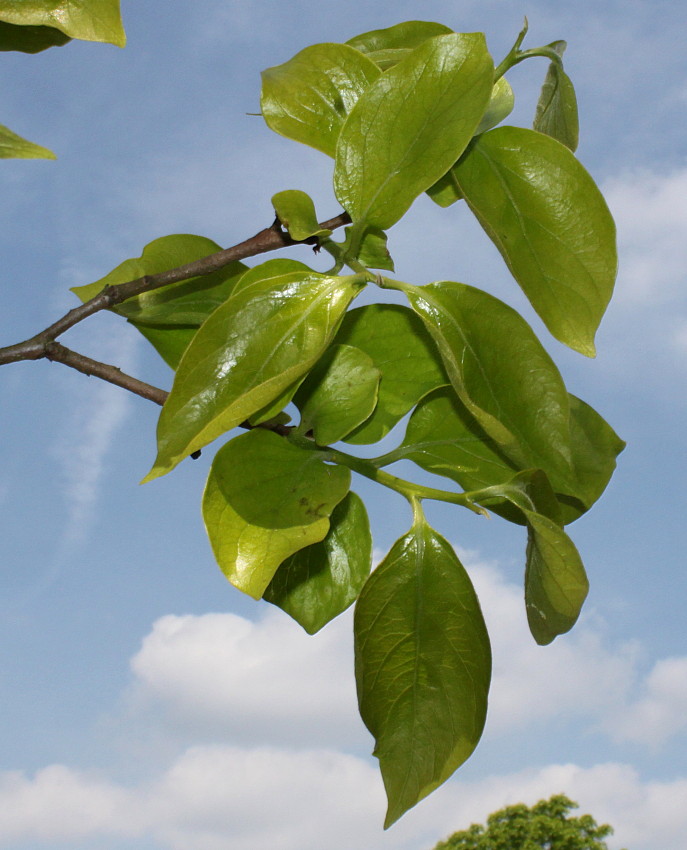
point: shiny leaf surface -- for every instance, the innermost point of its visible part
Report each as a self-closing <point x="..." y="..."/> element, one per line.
<point x="403" y="352"/>
<point x="501" y="373"/>
<point x="386" y="47"/>
<point x="410" y="126"/>
<point x="90" y="20"/>
<point x="319" y="582"/>
<point x="551" y="224"/>
<point x="339" y="393"/>
<point x="251" y="349"/>
<point x="423" y="666"/>
<point x="309" y="97"/>
<point x="264" y="500"/>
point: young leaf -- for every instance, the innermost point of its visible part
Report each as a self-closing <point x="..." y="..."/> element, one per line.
<point x="251" y="349"/>
<point x="556" y="583"/>
<point x="423" y="666"/>
<point x="269" y="269"/>
<point x="339" y="393"/>
<point x="188" y="302"/>
<point x="410" y="126"/>
<point x="500" y="106"/>
<point x="264" y="500"/>
<point x="309" y="97"/>
<point x="95" y="20"/>
<point x="319" y="582"/>
<point x="556" y="113"/>
<point x="296" y="212"/>
<point x="13" y="146"/>
<point x="501" y="373"/>
<point x="551" y="224"/>
<point x="30" y="39"/>
<point x="386" y="47"/>
<point x="372" y="251"/>
<point x="403" y="352"/>
<point x="444" y="438"/>
<point x="170" y="341"/>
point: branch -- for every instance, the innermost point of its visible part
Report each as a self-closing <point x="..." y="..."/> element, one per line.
<point x="270" y="239"/>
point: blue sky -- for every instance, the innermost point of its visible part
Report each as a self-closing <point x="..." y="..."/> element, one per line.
<point x="145" y="703"/>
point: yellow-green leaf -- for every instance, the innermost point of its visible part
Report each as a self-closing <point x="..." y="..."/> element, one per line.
<point x="89" y="20"/>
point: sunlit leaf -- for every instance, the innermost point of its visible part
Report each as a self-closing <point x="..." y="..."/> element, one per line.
<point x="30" y="39"/>
<point x="264" y="500"/>
<point x="319" y="582"/>
<point x="309" y="97"/>
<point x="551" y="224"/>
<point x="372" y="251"/>
<point x="251" y="349"/>
<point x="410" y="126"/>
<point x="387" y="47"/>
<point x="170" y="341"/>
<point x="423" y="666"/>
<point x="189" y="302"/>
<point x="90" y="20"/>
<point x="269" y="269"/>
<point x="339" y="393"/>
<point x="403" y="352"/>
<point x="296" y="212"/>
<point x="501" y="373"/>
<point x="13" y="146"/>
<point x="556" y="113"/>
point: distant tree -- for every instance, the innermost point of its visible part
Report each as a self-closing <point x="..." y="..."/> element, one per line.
<point x="544" y="826"/>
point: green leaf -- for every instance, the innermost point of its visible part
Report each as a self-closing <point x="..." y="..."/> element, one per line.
<point x="444" y="438"/>
<point x="403" y="352"/>
<point x="296" y="212"/>
<point x="501" y="373"/>
<point x="269" y="269"/>
<point x="30" y="39"/>
<point x="372" y="251"/>
<point x="251" y="349"/>
<point x="189" y="302"/>
<point x="551" y="224"/>
<point x="387" y="47"/>
<point x="319" y="582"/>
<point x="13" y="146"/>
<point x="555" y="580"/>
<point x="170" y="341"/>
<point x="446" y="190"/>
<point x="423" y="666"/>
<point x="556" y="113"/>
<point x="410" y="126"/>
<point x="89" y="20"/>
<point x="309" y="97"/>
<point x="339" y="393"/>
<point x="264" y="500"/>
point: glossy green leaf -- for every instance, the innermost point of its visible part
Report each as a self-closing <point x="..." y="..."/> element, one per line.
<point x="296" y="212"/>
<point x="551" y="224"/>
<point x="556" y="113"/>
<point x="501" y="373"/>
<point x="30" y="39"/>
<point x="245" y="355"/>
<point x="444" y="438"/>
<point x="446" y="190"/>
<point x="410" y="126"/>
<point x="13" y="146"/>
<point x="275" y="407"/>
<point x="309" y="97"/>
<point x="269" y="269"/>
<point x="339" y="393"/>
<point x="423" y="666"/>
<point x="90" y="20"/>
<point x="189" y="302"/>
<point x="264" y="500"/>
<point x="372" y="251"/>
<point x="403" y="352"/>
<point x="387" y="47"/>
<point x="319" y="582"/>
<point x="555" y="580"/>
